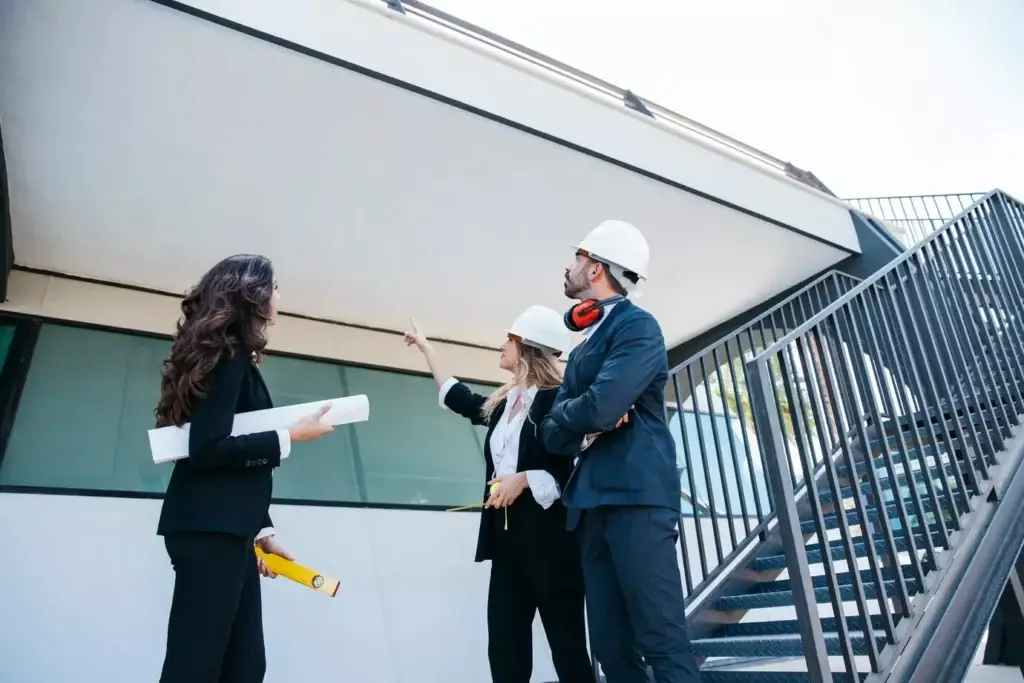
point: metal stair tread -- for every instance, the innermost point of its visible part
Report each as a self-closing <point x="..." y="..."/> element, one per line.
<point x="758" y="600"/>
<point x="782" y="645"/>
<point x="814" y="555"/>
<point x="782" y="626"/>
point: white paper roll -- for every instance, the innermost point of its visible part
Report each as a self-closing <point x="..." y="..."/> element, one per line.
<point x="171" y="443"/>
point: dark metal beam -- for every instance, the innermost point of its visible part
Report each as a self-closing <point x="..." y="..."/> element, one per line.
<point x="6" y="235"/>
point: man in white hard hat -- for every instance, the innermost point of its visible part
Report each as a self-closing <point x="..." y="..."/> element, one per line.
<point x="623" y="492"/>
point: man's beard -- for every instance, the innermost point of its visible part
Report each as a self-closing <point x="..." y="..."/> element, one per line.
<point x="573" y="289"/>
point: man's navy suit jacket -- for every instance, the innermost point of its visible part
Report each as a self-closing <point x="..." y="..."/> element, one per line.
<point x="622" y="367"/>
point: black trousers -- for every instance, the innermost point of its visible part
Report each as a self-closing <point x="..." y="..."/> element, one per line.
<point x="215" y="631"/>
<point x="514" y="597"/>
<point x="635" y="595"/>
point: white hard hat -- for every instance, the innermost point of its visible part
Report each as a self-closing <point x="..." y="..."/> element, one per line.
<point x="620" y="244"/>
<point x="543" y="328"/>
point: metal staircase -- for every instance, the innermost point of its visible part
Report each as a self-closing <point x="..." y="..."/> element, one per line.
<point x="867" y="455"/>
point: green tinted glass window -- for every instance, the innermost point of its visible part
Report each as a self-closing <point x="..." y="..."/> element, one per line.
<point x="84" y="412"/>
<point x="88" y="402"/>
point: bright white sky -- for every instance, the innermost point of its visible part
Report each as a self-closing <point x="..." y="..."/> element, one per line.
<point x="876" y="97"/>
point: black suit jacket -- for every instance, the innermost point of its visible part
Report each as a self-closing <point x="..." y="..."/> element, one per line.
<point x="552" y="555"/>
<point x="225" y="484"/>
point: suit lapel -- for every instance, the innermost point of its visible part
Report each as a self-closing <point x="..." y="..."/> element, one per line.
<point x="263" y="385"/>
<point x="592" y="342"/>
<point x="499" y="410"/>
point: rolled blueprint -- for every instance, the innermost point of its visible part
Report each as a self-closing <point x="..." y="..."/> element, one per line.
<point x="171" y="443"/>
<point x="290" y="569"/>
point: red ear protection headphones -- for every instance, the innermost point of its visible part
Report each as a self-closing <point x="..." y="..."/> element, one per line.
<point x="587" y="313"/>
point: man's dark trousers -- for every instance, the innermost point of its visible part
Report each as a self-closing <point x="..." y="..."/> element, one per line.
<point x="635" y="596"/>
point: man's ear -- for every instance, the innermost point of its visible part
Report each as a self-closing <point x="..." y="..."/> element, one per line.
<point x="596" y="269"/>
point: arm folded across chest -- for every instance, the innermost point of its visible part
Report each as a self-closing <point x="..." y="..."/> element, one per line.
<point x="636" y="356"/>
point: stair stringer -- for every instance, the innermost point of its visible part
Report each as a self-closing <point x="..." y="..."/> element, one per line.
<point x="939" y="639"/>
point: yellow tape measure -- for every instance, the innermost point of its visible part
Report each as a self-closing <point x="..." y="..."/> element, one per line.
<point x="474" y="506"/>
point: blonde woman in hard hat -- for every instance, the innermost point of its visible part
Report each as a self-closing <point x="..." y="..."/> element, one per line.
<point x="624" y="494"/>
<point x="535" y="561"/>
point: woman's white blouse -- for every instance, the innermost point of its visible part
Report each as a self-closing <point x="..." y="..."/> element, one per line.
<point x="505" y="444"/>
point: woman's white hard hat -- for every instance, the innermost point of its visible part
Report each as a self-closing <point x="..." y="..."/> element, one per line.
<point x="542" y="327"/>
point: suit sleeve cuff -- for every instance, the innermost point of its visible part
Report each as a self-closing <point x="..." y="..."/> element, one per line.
<point x="445" y="388"/>
<point x="264" y="533"/>
<point x="285" y="441"/>
<point x="543" y="486"/>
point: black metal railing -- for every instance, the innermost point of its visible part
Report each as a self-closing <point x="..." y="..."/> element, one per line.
<point x="726" y="500"/>
<point x="598" y="86"/>
<point x="923" y="364"/>
<point x="916" y="216"/>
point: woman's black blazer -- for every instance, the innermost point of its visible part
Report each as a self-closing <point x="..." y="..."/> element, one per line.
<point x="225" y="484"/>
<point x="552" y="554"/>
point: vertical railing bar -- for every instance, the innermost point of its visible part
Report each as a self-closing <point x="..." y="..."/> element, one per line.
<point x="918" y="447"/>
<point x="833" y="374"/>
<point x="704" y="466"/>
<point x="1015" y="212"/>
<point x="731" y="439"/>
<point x="968" y="361"/>
<point x="811" y="635"/>
<point x="940" y="371"/>
<point x="718" y="451"/>
<point x="859" y="361"/>
<point x="805" y="452"/>
<point x="681" y="413"/>
<point x="844" y="533"/>
<point x="850" y="413"/>
<point x="1015" y="276"/>
<point x="760" y="452"/>
<point x="834" y="429"/>
<point x="901" y="447"/>
<point x="800" y="405"/>
<point x="840" y="416"/>
<point x="775" y="329"/>
<point x="778" y="403"/>
<point x="985" y="329"/>
<point x="925" y="225"/>
<point x="956" y="354"/>
<point x="687" y="578"/>
<point x="1011" y="300"/>
<point x="930" y="398"/>
<point x="742" y="418"/>
<point x="803" y="315"/>
<point x="896" y="374"/>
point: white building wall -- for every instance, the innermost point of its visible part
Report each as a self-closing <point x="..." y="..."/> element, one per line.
<point x="91" y="606"/>
<point x="368" y="35"/>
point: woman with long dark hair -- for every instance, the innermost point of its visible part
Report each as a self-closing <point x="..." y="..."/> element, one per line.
<point x="217" y="502"/>
<point x="535" y="561"/>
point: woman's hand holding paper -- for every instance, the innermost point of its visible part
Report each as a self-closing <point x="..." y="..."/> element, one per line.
<point x="311" y="427"/>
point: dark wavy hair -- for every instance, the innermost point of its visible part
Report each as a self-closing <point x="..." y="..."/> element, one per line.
<point x="226" y="312"/>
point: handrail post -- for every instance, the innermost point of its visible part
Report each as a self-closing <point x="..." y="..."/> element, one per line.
<point x="773" y="444"/>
